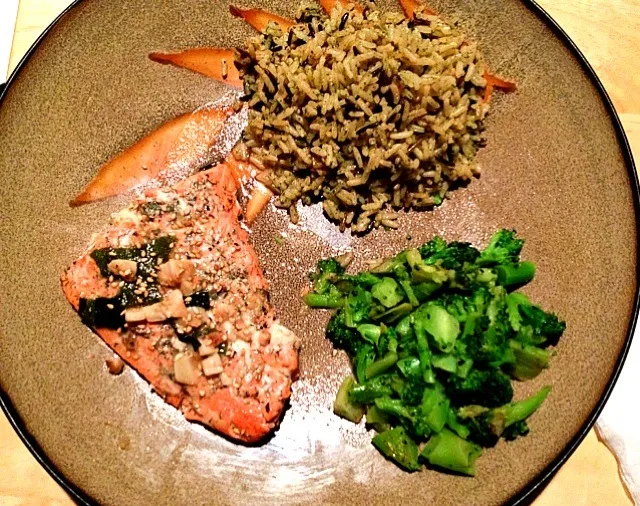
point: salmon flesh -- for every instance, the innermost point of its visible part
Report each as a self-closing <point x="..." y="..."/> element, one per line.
<point x="175" y="289"/>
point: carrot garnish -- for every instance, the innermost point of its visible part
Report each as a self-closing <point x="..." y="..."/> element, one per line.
<point x="183" y="142"/>
<point x="411" y="6"/>
<point x="213" y="62"/>
<point x="498" y="83"/>
<point x="260" y="19"/>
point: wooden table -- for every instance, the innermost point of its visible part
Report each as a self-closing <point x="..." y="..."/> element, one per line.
<point x="608" y="32"/>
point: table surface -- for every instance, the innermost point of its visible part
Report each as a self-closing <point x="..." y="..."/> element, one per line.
<point x="608" y="33"/>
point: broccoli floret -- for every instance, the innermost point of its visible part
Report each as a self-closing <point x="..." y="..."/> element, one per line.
<point x="484" y="387"/>
<point x="341" y="336"/>
<point x="546" y="326"/>
<point x="504" y="248"/>
<point x="357" y="306"/>
<point x="533" y="325"/>
<point x="453" y="256"/>
<point x="327" y="266"/>
<point x="487" y="426"/>
<point x="487" y="343"/>
<point x="515" y="275"/>
<point x="433" y="247"/>
<point x="461" y="305"/>
<point x="412" y="392"/>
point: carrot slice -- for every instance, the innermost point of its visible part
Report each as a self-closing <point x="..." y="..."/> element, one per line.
<point x="260" y="197"/>
<point x="329" y="5"/>
<point x="260" y="19"/>
<point x="213" y="62"/>
<point x="181" y="144"/>
<point x="497" y="82"/>
<point x="411" y="6"/>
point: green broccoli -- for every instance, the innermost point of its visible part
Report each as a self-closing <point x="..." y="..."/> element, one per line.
<point x="341" y="336"/>
<point x="449" y="451"/>
<point x="436" y="335"/>
<point x="485" y="343"/>
<point x="487" y="426"/>
<point x="453" y="256"/>
<point x="485" y="387"/>
<point x="532" y="324"/>
<point x="396" y="445"/>
<point x="529" y="360"/>
<point x="357" y="306"/>
<point x="344" y="406"/>
<point x="433" y="247"/>
<point x="504" y="248"/>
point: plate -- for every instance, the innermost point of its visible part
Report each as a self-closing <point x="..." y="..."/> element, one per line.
<point x="557" y="168"/>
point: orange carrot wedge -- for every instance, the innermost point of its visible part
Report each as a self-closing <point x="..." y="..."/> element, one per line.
<point x="260" y="19"/>
<point x="181" y="144"/>
<point x="213" y="62"/>
<point x="411" y="6"/>
<point x="258" y="200"/>
<point x="329" y="5"/>
<point x="496" y="82"/>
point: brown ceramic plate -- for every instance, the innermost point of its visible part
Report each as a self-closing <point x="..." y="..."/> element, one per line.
<point x="557" y="168"/>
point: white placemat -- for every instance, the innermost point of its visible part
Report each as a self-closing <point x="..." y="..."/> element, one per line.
<point x="8" y="14"/>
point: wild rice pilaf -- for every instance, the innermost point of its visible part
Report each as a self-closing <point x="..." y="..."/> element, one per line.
<point x="367" y="112"/>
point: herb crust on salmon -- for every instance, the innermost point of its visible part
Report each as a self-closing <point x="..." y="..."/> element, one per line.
<point x="174" y="287"/>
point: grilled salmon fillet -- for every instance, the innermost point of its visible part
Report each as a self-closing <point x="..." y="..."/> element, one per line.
<point x="174" y="287"/>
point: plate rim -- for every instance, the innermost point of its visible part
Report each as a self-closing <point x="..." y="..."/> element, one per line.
<point x="535" y="485"/>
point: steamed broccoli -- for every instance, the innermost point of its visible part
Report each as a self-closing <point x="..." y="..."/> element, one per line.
<point x="436" y="335"/>
<point x="486" y="343"/>
<point x="341" y="336"/>
<point x="484" y="387"/>
<point x="451" y="256"/>
<point x="504" y="248"/>
<point x="488" y="425"/>
<point x="532" y="324"/>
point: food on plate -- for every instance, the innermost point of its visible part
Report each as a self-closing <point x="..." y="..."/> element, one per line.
<point x="368" y="112"/>
<point x="365" y="111"/>
<point x="436" y="335"/>
<point x="175" y="289"/>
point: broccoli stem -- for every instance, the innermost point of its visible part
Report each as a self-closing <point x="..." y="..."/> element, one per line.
<point x="455" y="425"/>
<point x="521" y="410"/>
<point x="408" y="290"/>
<point x="396" y="445"/>
<point x="395" y="313"/>
<point x="381" y="365"/>
<point x="424" y="354"/>
<point x="449" y="451"/>
<point x="343" y="406"/>
<point x="317" y="300"/>
<point x="513" y="275"/>
<point x="368" y="392"/>
<point x="377" y="419"/>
